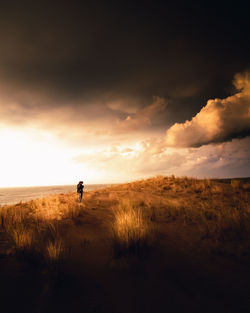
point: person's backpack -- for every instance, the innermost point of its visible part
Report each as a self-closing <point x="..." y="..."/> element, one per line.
<point x="78" y="188"/>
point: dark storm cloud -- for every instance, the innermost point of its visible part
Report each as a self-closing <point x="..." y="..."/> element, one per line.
<point x="218" y="121"/>
<point x="142" y="118"/>
<point x="89" y="55"/>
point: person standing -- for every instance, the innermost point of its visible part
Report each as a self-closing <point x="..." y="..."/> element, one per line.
<point x="80" y="187"/>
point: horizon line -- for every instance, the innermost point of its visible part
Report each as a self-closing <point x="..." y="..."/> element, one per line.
<point x="125" y="182"/>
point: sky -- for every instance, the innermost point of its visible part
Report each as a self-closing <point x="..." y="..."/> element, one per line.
<point x="111" y="91"/>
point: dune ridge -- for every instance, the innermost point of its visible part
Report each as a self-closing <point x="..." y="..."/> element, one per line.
<point x="187" y="238"/>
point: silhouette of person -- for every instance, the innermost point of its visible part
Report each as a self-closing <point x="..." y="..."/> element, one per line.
<point x="80" y="187"/>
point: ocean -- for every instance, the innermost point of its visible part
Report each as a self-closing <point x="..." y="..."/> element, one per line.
<point x="17" y="194"/>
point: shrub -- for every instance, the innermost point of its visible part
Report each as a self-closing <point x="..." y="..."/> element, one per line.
<point x="246" y="186"/>
<point x="235" y="183"/>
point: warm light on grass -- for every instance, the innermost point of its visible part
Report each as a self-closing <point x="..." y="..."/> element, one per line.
<point x="22" y="238"/>
<point x="33" y="227"/>
<point x="55" y="207"/>
<point x="218" y="210"/>
<point x="55" y="250"/>
<point x="131" y="229"/>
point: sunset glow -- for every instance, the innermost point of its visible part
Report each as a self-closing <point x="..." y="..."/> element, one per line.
<point x="124" y="156"/>
<point x="111" y="101"/>
<point x="35" y="158"/>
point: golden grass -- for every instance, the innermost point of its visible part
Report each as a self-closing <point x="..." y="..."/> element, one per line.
<point x="55" y="250"/>
<point x="219" y="210"/>
<point x="22" y="238"/>
<point x="235" y="183"/>
<point x="55" y="207"/>
<point x="131" y="229"/>
<point x="33" y="227"/>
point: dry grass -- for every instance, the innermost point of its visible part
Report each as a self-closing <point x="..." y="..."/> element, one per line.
<point x="22" y="238"/>
<point x="131" y="229"/>
<point x="33" y="227"/>
<point x="236" y="184"/>
<point x="55" y="250"/>
<point x="55" y="207"/>
<point x="218" y="209"/>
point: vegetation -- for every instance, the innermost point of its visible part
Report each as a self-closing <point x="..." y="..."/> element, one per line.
<point x="219" y="210"/>
<point x="174" y="227"/>
<point x="34" y="228"/>
<point x="131" y="228"/>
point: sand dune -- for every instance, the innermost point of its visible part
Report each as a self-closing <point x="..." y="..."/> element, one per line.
<point x="164" y="244"/>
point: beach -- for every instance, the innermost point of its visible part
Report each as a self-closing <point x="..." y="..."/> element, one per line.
<point x="18" y="194"/>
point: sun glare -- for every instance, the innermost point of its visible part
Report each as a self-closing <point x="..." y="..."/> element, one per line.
<point x="31" y="158"/>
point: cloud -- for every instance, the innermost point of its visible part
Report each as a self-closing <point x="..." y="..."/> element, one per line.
<point x="228" y="159"/>
<point x="125" y="105"/>
<point x="144" y="158"/>
<point x="219" y="120"/>
<point x="91" y="60"/>
<point x="142" y="118"/>
<point x="150" y="157"/>
<point x="127" y="150"/>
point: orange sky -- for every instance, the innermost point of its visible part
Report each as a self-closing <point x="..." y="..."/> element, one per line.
<point x="57" y="151"/>
<point x="109" y="93"/>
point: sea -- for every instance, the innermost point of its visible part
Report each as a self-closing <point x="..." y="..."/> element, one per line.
<point x="22" y="194"/>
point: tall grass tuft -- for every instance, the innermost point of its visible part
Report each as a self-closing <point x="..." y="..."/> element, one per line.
<point x="55" y="251"/>
<point x="131" y="230"/>
<point x="22" y="238"/>
<point x="54" y="256"/>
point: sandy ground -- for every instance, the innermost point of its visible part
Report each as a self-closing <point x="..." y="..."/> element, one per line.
<point x="178" y="274"/>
